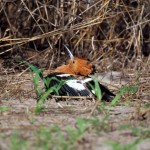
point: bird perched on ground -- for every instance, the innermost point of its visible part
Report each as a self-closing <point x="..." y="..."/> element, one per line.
<point x="73" y="79"/>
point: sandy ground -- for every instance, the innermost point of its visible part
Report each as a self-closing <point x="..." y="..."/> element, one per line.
<point x="17" y="93"/>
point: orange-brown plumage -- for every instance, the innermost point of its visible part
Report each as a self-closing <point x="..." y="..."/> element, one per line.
<point x="76" y="66"/>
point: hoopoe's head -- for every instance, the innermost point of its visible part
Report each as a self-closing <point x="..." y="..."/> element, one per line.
<point x="80" y="66"/>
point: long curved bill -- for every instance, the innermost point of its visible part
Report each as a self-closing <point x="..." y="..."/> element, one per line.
<point x="70" y="54"/>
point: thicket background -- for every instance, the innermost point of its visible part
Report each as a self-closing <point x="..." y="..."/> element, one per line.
<point x="114" y="34"/>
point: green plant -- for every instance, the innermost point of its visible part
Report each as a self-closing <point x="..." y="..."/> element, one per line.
<point x="96" y="88"/>
<point x="4" y="108"/>
<point x="48" y="138"/>
<point x="17" y="142"/>
<point x="146" y="105"/>
<point x="130" y="89"/>
<point x="42" y="94"/>
<point x="121" y="146"/>
<point x="140" y="132"/>
<point x="75" y="134"/>
<point x="143" y="133"/>
<point x="99" y="125"/>
<point x="98" y="93"/>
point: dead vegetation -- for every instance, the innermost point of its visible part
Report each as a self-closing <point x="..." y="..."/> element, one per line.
<point x="113" y="34"/>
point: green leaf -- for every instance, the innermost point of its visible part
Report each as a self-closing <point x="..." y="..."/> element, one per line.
<point x="81" y="125"/>
<point x="4" y="108"/>
<point x="122" y="91"/>
<point x="42" y="99"/>
<point x="96" y="88"/>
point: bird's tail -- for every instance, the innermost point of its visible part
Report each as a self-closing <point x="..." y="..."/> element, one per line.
<point x="106" y="90"/>
<point x="107" y="96"/>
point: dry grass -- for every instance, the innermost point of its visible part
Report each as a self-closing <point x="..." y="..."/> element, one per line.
<point x="113" y="34"/>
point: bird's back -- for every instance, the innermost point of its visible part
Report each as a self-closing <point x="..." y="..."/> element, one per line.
<point x="69" y="85"/>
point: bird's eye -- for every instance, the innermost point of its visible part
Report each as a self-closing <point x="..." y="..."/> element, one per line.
<point x="73" y="61"/>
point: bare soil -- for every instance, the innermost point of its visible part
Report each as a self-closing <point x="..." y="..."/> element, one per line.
<point x="17" y="93"/>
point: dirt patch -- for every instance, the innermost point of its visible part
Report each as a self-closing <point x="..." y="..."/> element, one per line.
<point x="123" y="124"/>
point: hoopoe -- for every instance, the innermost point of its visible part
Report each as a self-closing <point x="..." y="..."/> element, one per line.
<point x="77" y="81"/>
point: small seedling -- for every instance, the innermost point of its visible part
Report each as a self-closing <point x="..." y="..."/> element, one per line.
<point x="120" y="146"/>
<point x="122" y="91"/>
<point x="17" y="142"/>
<point x="4" y="108"/>
<point x="96" y="89"/>
<point x="42" y="94"/>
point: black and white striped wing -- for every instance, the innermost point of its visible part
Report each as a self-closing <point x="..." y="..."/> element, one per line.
<point x="76" y="88"/>
<point x="70" y="87"/>
<point x="106" y="93"/>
